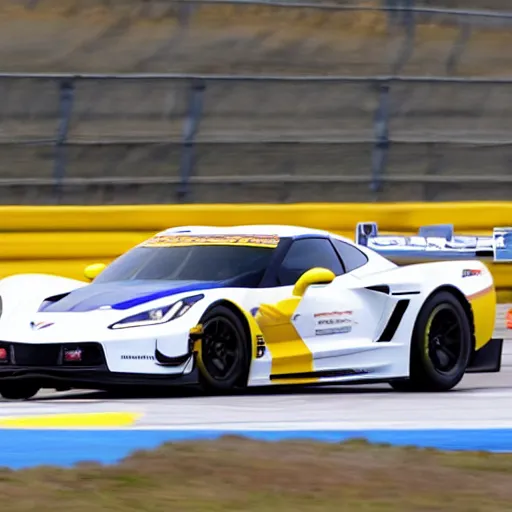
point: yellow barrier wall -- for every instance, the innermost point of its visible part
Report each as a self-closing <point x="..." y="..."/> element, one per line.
<point x="64" y="239"/>
<point x="470" y="216"/>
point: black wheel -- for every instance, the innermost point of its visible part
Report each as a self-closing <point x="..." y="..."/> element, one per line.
<point x="441" y="346"/>
<point x="225" y="351"/>
<point x="19" y="390"/>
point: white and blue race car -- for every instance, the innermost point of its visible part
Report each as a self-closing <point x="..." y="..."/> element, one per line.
<point x="262" y="305"/>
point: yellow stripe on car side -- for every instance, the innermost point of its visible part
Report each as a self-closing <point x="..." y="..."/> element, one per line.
<point x="483" y="304"/>
<point x="288" y="351"/>
<point x="290" y="354"/>
<point x="253" y="327"/>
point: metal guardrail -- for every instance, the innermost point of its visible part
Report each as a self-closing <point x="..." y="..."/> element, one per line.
<point x="197" y="84"/>
<point x="389" y="6"/>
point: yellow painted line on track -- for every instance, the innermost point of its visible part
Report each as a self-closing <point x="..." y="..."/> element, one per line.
<point x="82" y="420"/>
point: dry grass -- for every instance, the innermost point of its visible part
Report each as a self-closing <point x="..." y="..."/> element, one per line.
<point x="234" y="474"/>
<point x="96" y="36"/>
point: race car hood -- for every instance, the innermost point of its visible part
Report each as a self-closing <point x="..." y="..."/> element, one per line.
<point x="120" y="295"/>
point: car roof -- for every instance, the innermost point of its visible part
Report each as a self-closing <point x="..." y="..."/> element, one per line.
<point x="280" y="230"/>
<point x="250" y="229"/>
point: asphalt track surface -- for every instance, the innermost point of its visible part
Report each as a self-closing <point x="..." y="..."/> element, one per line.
<point x="480" y="401"/>
<point x="69" y="427"/>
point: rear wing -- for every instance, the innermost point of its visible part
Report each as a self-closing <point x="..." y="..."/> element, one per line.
<point x="437" y="242"/>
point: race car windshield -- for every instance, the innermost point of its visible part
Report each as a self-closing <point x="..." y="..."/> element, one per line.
<point x="189" y="263"/>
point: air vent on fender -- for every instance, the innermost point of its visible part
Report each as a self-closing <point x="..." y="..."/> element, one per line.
<point x="394" y="321"/>
<point x="381" y="288"/>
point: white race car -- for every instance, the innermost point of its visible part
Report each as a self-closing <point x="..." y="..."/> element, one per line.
<point x="227" y="308"/>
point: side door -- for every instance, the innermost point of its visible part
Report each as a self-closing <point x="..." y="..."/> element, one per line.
<point x="338" y="318"/>
<point x="287" y="322"/>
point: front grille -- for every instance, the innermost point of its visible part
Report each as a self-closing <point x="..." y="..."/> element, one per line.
<point x="25" y="354"/>
<point x="35" y="355"/>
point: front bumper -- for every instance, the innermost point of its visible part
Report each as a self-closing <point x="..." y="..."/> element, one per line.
<point x="46" y="364"/>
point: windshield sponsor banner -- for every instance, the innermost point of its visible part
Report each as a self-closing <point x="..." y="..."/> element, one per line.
<point x="189" y="240"/>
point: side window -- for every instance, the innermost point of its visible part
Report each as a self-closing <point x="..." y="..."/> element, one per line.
<point x="305" y="254"/>
<point x="351" y="256"/>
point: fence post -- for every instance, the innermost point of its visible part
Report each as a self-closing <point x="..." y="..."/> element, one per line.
<point x="398" y="11"/>
<point x="190" y="128"/>
<point x="185" y="11"/>
<point x="408" y="22"/>
<point x="66" y="97"/>
<point x="381" y="130"/>
<point x="458" y="48"/>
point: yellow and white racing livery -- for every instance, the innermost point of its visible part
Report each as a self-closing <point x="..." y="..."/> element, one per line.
<point x="260" y="305"/>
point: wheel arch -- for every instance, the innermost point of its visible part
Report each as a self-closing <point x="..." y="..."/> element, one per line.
<point x="241" y="314"/>
<point x="242" y="373"/>
<point x="421" y="378"/>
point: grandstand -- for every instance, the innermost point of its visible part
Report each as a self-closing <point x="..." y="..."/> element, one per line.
<point x="268" y="141"/>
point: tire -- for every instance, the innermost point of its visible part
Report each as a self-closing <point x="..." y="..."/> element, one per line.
<point x="441" y="346"/>
<point x="224" y="344"/>
<point x="19" y="391"/>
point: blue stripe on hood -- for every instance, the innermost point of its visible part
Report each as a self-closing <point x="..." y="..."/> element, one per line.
<point x="131" y="303"/>
<point x="123" y="295"/>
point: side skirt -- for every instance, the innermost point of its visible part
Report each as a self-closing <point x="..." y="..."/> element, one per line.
<point x="322" y="384"/>
<point x="326" y="374"/>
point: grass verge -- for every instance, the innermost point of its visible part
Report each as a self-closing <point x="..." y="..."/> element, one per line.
<point x="236" y="474"/>
<point x="135" y="36"/>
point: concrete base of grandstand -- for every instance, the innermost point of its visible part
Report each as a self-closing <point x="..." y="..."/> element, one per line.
<point x="267" y="190"/>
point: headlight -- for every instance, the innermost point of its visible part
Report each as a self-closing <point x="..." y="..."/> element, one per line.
<point x="158" y="315"/>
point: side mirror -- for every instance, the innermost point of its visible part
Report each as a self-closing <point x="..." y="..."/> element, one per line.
<point x="312" y="276"/>
<point x="94" y="270"/>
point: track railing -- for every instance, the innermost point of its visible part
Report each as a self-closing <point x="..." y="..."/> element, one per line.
<point x="197" y="85"/>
